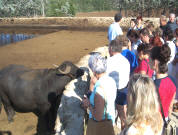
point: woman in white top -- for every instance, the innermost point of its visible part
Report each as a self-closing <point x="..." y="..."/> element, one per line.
<point x="143" y="116"/>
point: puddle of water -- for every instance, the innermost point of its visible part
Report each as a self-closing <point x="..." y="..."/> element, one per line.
<point x="13" y="38"/>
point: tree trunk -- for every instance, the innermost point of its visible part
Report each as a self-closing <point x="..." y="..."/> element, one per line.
<point x="168" y="6"/>
<point x="42" y="8"/>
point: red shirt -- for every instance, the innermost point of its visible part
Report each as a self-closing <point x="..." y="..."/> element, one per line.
<point x="167" y="89"/>
<point x="144" y="66"/>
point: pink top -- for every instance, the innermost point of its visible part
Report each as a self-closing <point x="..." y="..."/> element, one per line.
<point x="144" y="66"/>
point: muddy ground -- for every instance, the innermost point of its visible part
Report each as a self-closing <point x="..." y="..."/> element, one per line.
<point x="52" y="46"/>
<point x="42" y="52"/>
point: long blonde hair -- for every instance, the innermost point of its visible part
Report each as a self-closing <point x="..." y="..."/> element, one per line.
<point x="143" y="105"/>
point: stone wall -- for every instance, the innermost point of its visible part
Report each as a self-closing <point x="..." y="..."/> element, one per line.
<point x="70" y="22"/>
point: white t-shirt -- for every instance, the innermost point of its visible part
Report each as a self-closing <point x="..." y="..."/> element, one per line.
<point x="172" y="46"/>
<point x="118" y="67"/>
<point x="114" y="31"/>
<point x="135" y="46"/>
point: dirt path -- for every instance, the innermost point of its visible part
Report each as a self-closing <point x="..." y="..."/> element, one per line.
<point x="42" y="52"/>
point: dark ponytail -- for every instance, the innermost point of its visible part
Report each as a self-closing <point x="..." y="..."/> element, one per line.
<point x="163" y="68"/>
<point x="162" y="54"/>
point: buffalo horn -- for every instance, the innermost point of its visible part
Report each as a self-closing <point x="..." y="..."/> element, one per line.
<point x="55" y="65"/>
<point x="67" y="70"/>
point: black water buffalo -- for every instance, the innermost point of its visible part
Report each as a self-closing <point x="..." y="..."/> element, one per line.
<point x="35" y="90"/>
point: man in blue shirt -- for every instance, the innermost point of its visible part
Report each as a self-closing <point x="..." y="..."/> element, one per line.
<point x="115" y="29"/>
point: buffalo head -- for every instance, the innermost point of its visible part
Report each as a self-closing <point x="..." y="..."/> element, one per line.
<point x="68" y="68"/>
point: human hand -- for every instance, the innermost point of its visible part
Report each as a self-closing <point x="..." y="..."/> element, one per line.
<point x="85" y="102"/>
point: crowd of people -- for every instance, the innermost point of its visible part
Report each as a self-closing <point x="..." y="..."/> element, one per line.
<point x="142" y="67"/>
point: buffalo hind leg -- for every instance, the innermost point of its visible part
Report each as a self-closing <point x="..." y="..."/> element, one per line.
<point x="8" y="108"/>
<point x="10" y="113"/>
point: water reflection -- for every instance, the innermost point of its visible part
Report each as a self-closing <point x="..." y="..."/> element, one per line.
<point x="12" y="38"/>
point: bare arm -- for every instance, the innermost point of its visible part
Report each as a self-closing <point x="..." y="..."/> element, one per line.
<point x="129" y="45"/>
<point x="92" y="83"/>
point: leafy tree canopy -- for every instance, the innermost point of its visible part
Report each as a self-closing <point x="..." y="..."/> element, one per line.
<point x="27" y="8"/>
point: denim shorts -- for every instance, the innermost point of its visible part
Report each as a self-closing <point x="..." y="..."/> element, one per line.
<point x="121" y="97"/>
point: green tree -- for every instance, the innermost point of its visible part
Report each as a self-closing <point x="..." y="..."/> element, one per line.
<point x="60" y="8"/>
<point x="14" y="8"/>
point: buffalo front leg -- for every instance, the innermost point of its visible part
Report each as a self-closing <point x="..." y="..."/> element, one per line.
<point x="50" y="121"/>
<point x="41" y="126"/>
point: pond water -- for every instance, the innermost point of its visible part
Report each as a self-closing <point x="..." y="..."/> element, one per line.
<point x="13" y="38"/>
<point x="13" y="35"/>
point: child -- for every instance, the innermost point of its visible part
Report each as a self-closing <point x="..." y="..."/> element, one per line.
<point x="132" y="24"/>
<point x="135" y="40"/>
<point x="144" y="60"/>
<point x="139" y="25"/>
